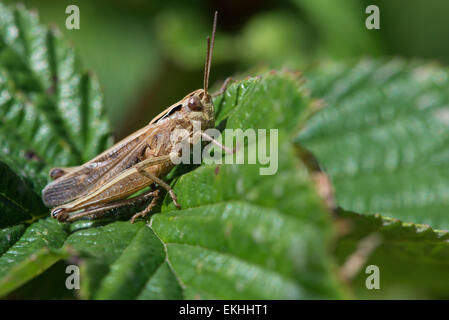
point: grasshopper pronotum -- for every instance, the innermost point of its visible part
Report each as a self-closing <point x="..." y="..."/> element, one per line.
<point x="134" y="163"/>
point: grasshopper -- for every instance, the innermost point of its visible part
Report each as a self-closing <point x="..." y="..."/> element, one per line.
<point x="136" y="162"/>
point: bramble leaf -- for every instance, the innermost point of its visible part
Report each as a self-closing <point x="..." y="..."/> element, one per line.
<point x="51" y="113"/>
<point x="412" y="258"/>
<point x="383" y="138"/>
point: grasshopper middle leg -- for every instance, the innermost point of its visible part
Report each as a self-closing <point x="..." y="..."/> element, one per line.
<point x="144" y="213"/>
<point x="162" y="183"/>
<point x="150" y="162"/>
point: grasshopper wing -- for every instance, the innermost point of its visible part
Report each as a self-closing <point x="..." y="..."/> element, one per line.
<point x="99" y="170"/>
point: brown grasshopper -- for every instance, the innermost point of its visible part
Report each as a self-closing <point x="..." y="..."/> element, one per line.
<point x="138" y="161"/>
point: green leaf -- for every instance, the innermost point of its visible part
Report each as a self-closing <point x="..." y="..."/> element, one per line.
<point x="383" y="137"/>
<point x="127" y="254"/>
<point x="412" y="259"/>
<point x="162" y="285"/>
<point x="51" y="113"/>
<point x="49" y="285"/>
<point x="18" y="202"/>
<point x="9" y="235"/>
<point x="240" y="223"/>
<point x="42" y="63"/>
<point x="33" y="253"/>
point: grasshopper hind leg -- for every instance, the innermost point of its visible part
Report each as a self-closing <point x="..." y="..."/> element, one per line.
<point x="98" y="211"/>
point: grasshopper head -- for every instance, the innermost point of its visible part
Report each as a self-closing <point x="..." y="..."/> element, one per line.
<point x="200" y="108"/>
<point x="198" y="105"/>
<point x="200" y="101"/>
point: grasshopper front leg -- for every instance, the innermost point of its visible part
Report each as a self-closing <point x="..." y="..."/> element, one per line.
<point x="223" y="88"/>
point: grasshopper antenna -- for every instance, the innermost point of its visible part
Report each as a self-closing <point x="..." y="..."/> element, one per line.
<point x="210" y="49"/>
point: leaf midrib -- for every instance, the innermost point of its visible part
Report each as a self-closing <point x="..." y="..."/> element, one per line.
<point x="230" y="254"/>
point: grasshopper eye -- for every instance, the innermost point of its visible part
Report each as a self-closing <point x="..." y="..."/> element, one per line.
<point x="56" y="173"/>
<point x="194" y="103"/>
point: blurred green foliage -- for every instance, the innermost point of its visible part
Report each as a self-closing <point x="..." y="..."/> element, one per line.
<point x="148" y="54"/>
